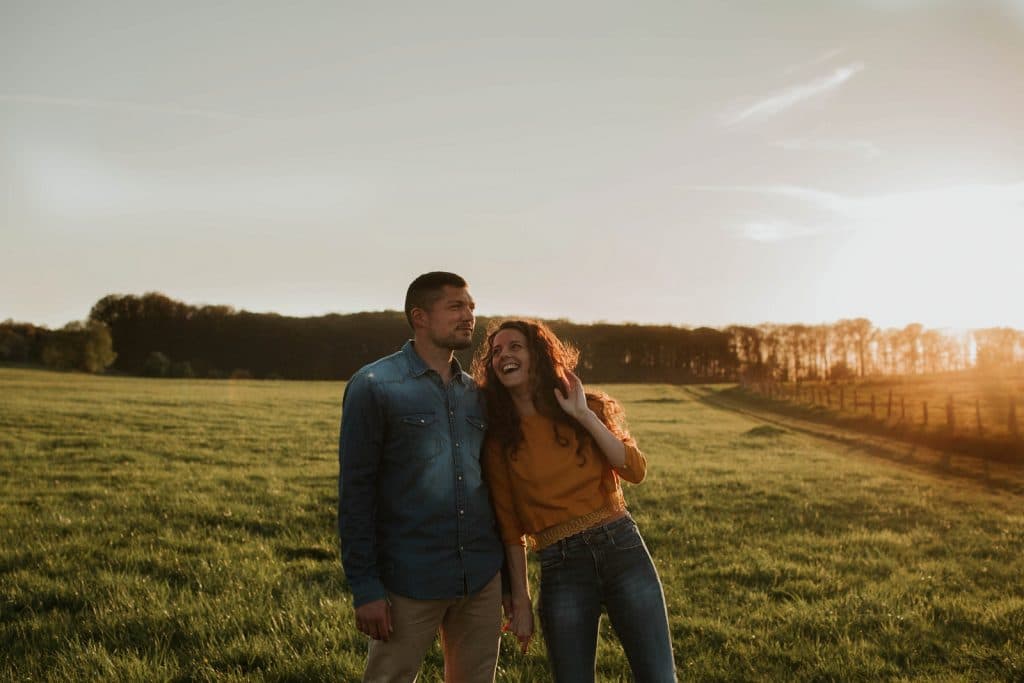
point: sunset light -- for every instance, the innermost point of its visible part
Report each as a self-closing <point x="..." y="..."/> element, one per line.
<point x="512" y="341"/>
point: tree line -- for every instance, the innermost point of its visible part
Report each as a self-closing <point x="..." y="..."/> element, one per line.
<point x="84" y="346"/>
<point x="854" y="348"/>
<point x="155" y="335"/>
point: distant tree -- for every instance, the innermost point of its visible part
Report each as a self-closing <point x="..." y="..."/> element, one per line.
<point x="157" y="364"/>
<point x="888" y="350"/>
<point x="181" y="369"/>
<point x="937" y="351"/>
<point x="996" y="347"/>
<point x="859" y="333"/>
<point x="910" y="347"/>
<point x="772" y="351"/>
<point x="820" y="337"/>
<point x="79" y="346"/>
<point x="14" y="343"/>
<point x="745" y="345"/>
<point x="842" y="341"/>
<point x="98" y="347"/>
<point x="840" y="371"/>
<point x="58" y="353"/>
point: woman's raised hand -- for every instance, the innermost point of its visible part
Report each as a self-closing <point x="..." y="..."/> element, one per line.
<point x="575" y="403"/>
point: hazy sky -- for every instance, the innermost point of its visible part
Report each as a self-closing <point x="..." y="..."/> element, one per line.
<point x="696" y="163"/>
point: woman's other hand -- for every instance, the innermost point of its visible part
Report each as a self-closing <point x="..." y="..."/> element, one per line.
<point x="521" y="623"/>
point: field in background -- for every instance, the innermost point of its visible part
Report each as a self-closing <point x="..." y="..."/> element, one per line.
<point x="184" y="530"/>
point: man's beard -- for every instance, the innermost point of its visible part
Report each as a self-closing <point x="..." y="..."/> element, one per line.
<point x="455" y="342"/>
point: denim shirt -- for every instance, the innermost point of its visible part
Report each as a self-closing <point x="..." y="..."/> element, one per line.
<point x="414" y="514"/>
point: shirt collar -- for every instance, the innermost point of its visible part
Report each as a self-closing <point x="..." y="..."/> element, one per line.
<point x="417" y="366"/>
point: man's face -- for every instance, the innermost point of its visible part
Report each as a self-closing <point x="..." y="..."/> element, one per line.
<point x="450" y="320"/>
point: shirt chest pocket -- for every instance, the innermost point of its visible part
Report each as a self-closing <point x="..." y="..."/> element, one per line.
<point x="474" y="434"/>
<point x="417" y="437"/>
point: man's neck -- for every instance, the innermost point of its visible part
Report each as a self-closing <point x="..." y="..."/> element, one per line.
<point x="437" y="358"/>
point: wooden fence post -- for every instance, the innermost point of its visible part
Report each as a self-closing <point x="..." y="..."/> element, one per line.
<point x="828" y="397"/>
<point x="977" y="413"/>
<point x="950" y="416"/>
<point x="856" y="403"/>
<point x="925" y="403"/>
<point x="903" y="409"/>
<point x="872" y="404"/>
<point x="842" y="401"/>
<point x="888" y="407"/>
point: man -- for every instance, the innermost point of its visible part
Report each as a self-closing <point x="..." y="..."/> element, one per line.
<point x="418" y="538"/>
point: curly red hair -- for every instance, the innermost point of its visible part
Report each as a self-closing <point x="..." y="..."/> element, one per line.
<point x="551" y="362"/>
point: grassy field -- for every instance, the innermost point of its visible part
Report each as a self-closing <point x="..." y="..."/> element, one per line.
<point x="184" y="530"/>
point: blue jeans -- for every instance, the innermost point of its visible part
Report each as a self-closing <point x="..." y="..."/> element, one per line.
<point x="608" y="565"/>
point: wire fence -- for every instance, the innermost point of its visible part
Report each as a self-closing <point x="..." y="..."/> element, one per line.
<point x="967" y="413"/>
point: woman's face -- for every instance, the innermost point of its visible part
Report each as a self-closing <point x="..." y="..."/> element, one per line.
<point x="510" y="359"/>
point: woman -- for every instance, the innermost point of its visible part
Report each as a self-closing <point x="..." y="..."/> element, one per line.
<point x="553" y="459"/>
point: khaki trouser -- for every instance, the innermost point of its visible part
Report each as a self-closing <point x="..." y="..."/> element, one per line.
<point x="470" y="629"/>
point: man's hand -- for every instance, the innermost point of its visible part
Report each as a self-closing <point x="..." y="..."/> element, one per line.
<point x="374" y="619"/>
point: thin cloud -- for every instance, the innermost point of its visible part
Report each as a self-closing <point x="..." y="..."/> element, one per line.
<point x="862" y="148"/>
<point x="820" y="59"/>
<point x="781" y="101"/>
<point x="120" y="105"/>
<point x="824" y="200"/>
<point x="953" y="212"/>
<point x="776" y="231"/>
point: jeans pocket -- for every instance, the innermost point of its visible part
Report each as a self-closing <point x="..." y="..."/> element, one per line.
<point x="551" y="557"/>
<point x="627" y="537"/>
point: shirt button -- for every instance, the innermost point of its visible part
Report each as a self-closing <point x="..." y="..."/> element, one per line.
<point x="462" y="512"/>
<point x="456" y="444"/>
<point x="460" y="477"/>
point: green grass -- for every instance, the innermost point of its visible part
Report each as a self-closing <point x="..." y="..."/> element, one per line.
<point x="185" y="530"/>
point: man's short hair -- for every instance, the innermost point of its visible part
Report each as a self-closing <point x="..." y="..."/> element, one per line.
<point x="427" y="289"/>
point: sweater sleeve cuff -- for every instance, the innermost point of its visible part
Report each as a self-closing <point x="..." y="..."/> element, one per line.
<point x="513" y="539"/>
<point x="634" y="469"/>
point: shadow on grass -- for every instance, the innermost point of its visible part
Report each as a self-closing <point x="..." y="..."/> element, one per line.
<point x="765" y="431"/>
<point x="311" y="553"/>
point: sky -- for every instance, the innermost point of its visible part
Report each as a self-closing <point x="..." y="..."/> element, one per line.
<point x="689" y="163"/>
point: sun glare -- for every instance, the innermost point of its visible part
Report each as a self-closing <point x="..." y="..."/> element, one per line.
<point x="945" y="259"/>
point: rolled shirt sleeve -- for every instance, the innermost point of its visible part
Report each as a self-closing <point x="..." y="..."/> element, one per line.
<point x="500" y="485"/>
<point x="359" y="456"/>
<point x="635" y="468"/>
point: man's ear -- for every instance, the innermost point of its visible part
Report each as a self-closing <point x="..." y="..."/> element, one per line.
<point x="419" y="317"/>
